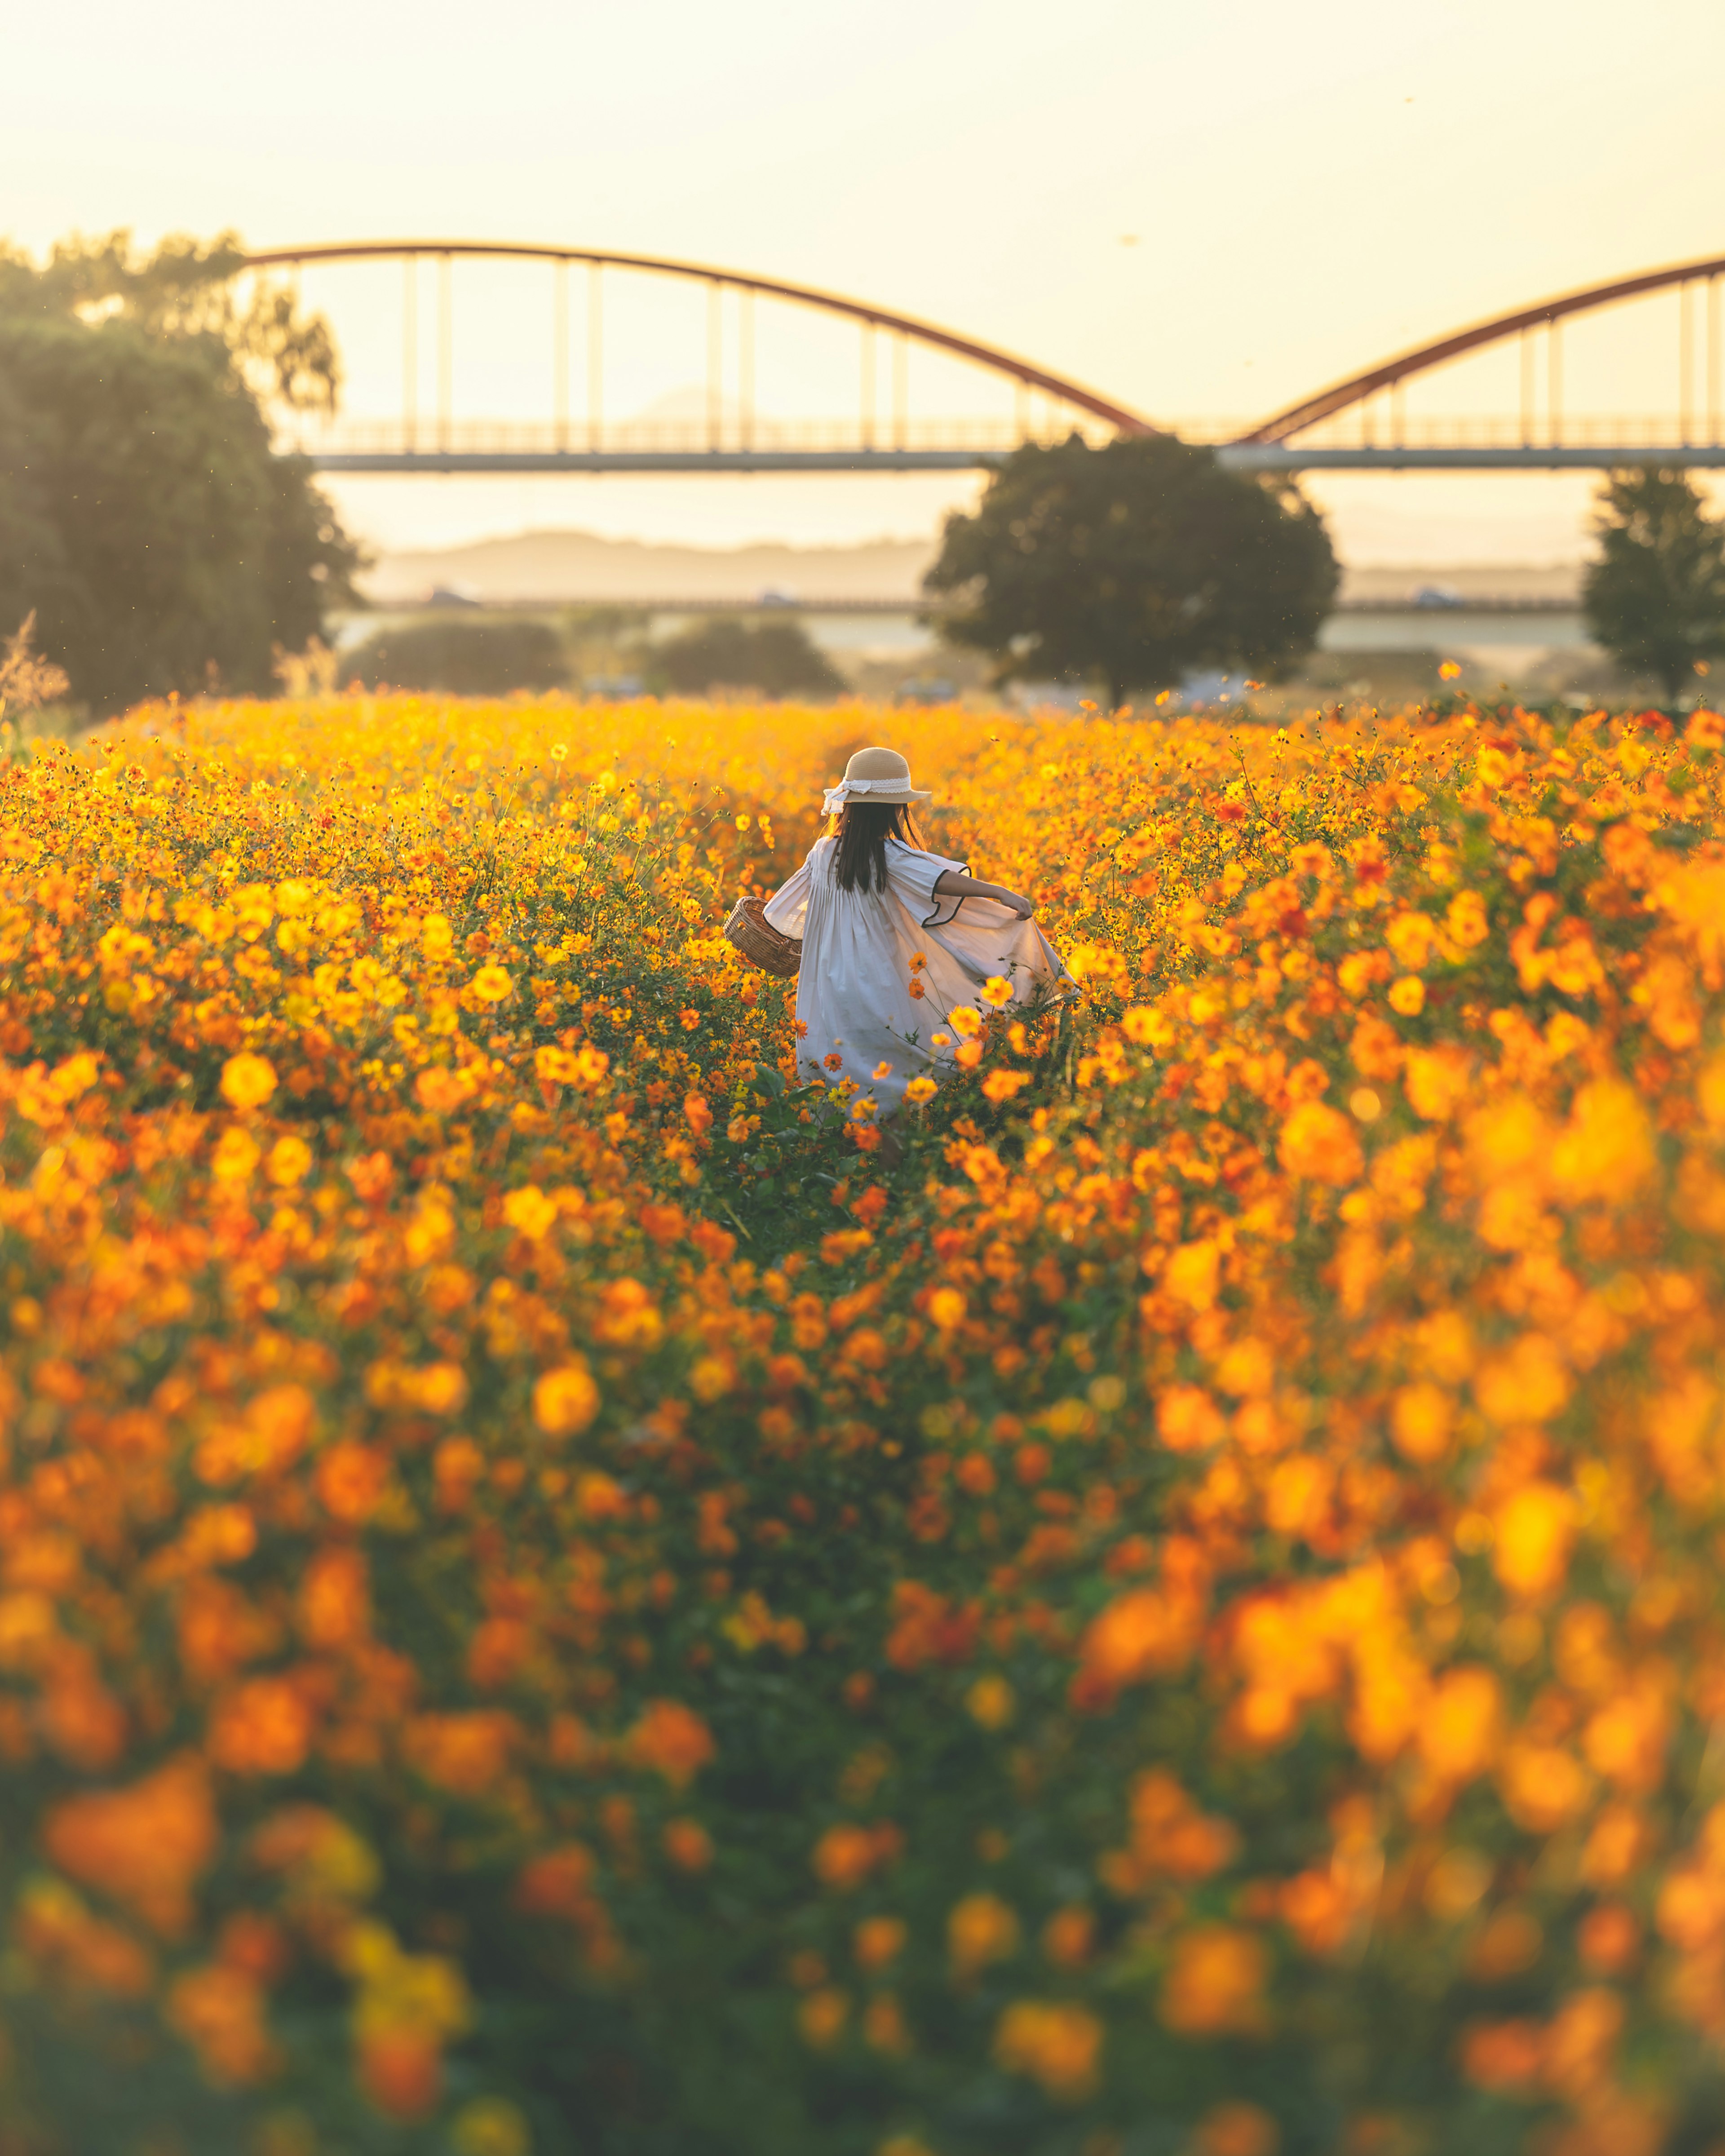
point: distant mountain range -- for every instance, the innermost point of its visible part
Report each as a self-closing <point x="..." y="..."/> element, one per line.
<point x="553" y="567"/>
<point x="548" y="566"/>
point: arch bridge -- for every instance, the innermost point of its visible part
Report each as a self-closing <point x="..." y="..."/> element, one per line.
<point x="732" y="435"/>
<point x="1360" y="423"/>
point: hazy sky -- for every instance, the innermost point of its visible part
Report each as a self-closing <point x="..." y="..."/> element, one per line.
<point x="1309" y="187"/>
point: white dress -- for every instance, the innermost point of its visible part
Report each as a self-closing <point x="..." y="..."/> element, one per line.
<point x="853" y="999"/>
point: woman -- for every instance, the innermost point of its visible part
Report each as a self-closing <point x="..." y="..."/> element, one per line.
<point x="895" y="938"/>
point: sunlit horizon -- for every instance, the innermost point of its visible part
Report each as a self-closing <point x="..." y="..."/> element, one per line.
<point x="1209" y="212"/>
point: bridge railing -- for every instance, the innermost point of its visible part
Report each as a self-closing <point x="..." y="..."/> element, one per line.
<point x="1652" y="431"/>
<point x="789" y="437"/>
<point x="1372" y="427"/>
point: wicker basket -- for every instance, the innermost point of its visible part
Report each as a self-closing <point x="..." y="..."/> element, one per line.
<point x="760" y="942"/>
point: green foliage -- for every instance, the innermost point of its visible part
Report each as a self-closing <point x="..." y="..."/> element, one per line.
<point x="1134" y="563"/>
<point x="465" y="658"/>
<point x="184" y="288"/>
<point x="143" y="516"/>
<point x="776" y="657"/>
<point x="1656" y="595"/>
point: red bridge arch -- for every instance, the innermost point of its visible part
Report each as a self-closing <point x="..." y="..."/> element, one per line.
<point x="1021" y="371"/>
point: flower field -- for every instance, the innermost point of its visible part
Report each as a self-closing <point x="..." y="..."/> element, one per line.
<point x="550" y="1601"/>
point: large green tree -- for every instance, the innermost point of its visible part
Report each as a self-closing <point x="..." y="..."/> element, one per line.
<point x="145" y="518"/>
<point x="1655" y="593"/>
<point x="1133" y="564"/>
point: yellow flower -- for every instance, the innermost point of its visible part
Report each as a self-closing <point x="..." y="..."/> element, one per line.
<point x="1408" y="995"/>
<point x="997" y="990"/>
<point x="565" y="1400"/>
<point x="290" y="1162"/>
<point x="991" y="1702"/>
<point x="247" y="1080"/>
<point x="491" y="984"/>
<point x="1535" y="1527"/>
<point x="965" y="1021"/>
<point x="947" y="1308"/>
<point x="489" y="2125"/>
<point x="1421" y="1418"/>
<point x="236" y="1155"/>
<point x="530" y="1212"/>
<point x="919" y="1089"/>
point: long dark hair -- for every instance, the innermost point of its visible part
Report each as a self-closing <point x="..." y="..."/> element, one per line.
<point x="864" y="828"/>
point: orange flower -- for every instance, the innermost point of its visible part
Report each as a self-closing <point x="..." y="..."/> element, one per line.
<point x="351" y="1480"/>
<point x="1318" y="1143"/>
<point x="401" y="2071"/>
<point x="263" y="1727"/>
<point x="878" y="1941"/>
<point x="1459" y="1731"/>
<point x="688" y="1845"/>
<point x="1215" y="1985"/>
<point x="1542" y="1786"/>
<point x="673" y="1740"/>
<point x="846" y="1855"/>
<point x="145" y="1845"/>
<point x="220" y="2011"/>
<point x="465" y="1753"/>
<point x="1053" y="2042"/>
<point x="334" y="1599"/>
<point x="1239" y="2129"/>
<point x="1188" y="1419"/>
<point x="1143" y="1633"/>
<point x="1607" y="1150"/>
<point x="980" y="1929"/>
<point x="1193" y="1273"/>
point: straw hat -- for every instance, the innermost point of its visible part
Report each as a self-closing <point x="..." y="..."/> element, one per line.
<point x="874" y="774"/>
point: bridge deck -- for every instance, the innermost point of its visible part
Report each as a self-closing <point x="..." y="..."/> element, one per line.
<point x="1247" y="457"/>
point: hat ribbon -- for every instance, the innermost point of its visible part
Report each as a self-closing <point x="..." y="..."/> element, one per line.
<point x="833" y="799"/>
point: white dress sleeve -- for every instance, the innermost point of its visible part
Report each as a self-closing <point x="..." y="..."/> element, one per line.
<point x="789" y="905"/>
<point x="912" y="877"/>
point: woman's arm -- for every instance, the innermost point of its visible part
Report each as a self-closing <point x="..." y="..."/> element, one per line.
<point x="952" y="884"/>
<point x="786" y="909"/>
